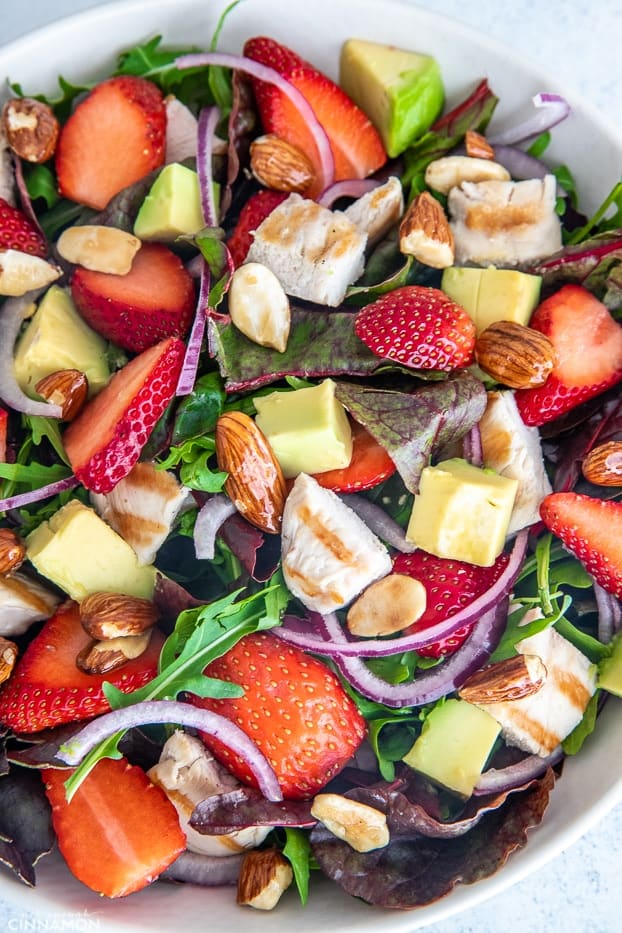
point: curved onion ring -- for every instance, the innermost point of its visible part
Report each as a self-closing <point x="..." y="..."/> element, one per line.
<point x="349" y="188"/>
<point x="11" y="316"/>
<point x="36" y="495"/>
<point x="211" y="516"/>
<point x="498" y="780"/>
<point x="208" y="121"/>
<point x="188" y="374"/>
<point x="209" y="871"/>
<point x="182" y="714"/>
<point x="551" y="110"/>
<point x="377" y="520"/>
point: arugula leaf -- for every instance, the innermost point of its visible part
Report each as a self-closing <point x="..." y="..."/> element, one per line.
<point x="574" y="742"/>
<point x="61" y="105"/>
<point x="193" y="458"/>
<point x="41" y="184"/>
<point x="598" y="222"/>
<point x="199" y="411"/>
<point x="46" y="429"/>
<point x="297" y="850"/>
<point x="391" y="737"/>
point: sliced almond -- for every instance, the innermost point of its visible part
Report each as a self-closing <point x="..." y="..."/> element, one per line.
<point x="109" y="654"/>
<point x="255" y="482"/>
<point x="603" y="464"/>
<point x="280" y="165"/>
<point x="110" y="615"/>
<point x="67" y="388"/>
<point x="259" y="307"/>
<point x="264" y="876"/>
<point x="22" y="272"/>
<point x="99" y="248"/>
<point x="8" y="657"/>
<point x="362" y="827"/>
<point x="511" y="679"/>
<point x="425" y="233"/>
<point x="12" y="551"/>
<point x="389" y="605"/>
<point x="450" y="171"/>
<point x="31" y="129"/>
<point x="515" y="355"/>
<point x="477" y="146"/>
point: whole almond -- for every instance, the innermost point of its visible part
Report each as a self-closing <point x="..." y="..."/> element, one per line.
<point x="425" y="233"/>
<point x="603" y="464"/>
<point x="67" y="388"/>
<point x="255" y="483"/>
<point x="110" y="615"/>
<point x="8" y="657"/>
<point x="12" y="551"/>
<point x="511" y="679"/>
<point x="280" y="165"/>
<point x="389" y="605"/>
<point x="31" y="129"/>
<point x="477" y="146"/>
<point x="109" y="654"/>
<point x="264" y="875"/>
<point x="515" y="355"/>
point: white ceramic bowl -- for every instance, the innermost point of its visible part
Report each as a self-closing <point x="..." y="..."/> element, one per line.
<point x="82" y="47"/>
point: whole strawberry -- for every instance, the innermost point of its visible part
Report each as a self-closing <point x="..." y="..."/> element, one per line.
<point x="418" y="327"/>
<point x="294" y="708"/>
<point x="18" y="232"/>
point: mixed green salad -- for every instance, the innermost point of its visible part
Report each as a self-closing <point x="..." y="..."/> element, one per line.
<point x="310" y="459"/>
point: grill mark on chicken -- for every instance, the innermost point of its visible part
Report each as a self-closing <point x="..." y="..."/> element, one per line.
<point x="325" y="536"/>
<point x="500" y="218"/>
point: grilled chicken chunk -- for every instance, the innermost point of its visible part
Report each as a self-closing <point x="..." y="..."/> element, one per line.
<point x="22" y="602"/>
<point x="378" y="210"/>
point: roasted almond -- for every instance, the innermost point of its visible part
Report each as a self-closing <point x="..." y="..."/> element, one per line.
<point x="67" y="388"/>
<point x="425" y="233"/>
<point x="477" y="146"/>
<point x="389" y="605"/>
<point x="255" y="482"/>
<point x="603" y="464"/>
<point x="511" y="679"/>
<point x="31" y="129"/>
<point x="22" y="272"/>
<point x="280" y="165"/>
<point x="99" y="248"/>
<point x="110" y="615"/>
<point x="259" y="307"/>
<point x="265" y="875"/>
<point x="109" y="654"/>
<point x="8" y="657"/>
<point x="361" y="826"/>
<point x="515" y="355"/>
<point x="12" y="551"/>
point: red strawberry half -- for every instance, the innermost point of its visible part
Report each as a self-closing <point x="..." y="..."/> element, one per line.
<point x="357" y="148"/>
<point x="592" y="530"/>
<point x="47" y="688"/>
<point x="588" y="354"/>
<point x="450" y="585"/>
<point x="105" y="440"/>
<point x="18" y="232"/>
<point x="254" y="212"/>
<point x="156" y="299"/>
<point x="114" y="137"/>
<point x="419" y="327"/>
<point x="119" y="832"/>
<point x="294" y="708"/>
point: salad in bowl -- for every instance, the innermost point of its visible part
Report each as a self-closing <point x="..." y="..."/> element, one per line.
<point x="310" y="465"/>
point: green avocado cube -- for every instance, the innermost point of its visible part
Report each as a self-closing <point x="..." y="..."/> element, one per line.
<point x="462" y="512"/>
<point x="454" y="745"/>
<point x="610" y="669"/>
<point x="401" y="92"/>
<point x="173" y="206"/>
<point x="489" y="295"/>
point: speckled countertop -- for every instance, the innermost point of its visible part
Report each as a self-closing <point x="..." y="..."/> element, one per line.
<point x="581" y="890"/>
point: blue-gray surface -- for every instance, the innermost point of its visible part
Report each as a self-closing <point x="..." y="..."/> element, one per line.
<point x="581" y="890"/>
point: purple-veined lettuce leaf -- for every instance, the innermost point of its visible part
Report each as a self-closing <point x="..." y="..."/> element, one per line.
<point x="243" y="807"/>
<point x="40" y="749"/>
<point x="242" y="123"/>
<point x="595" y="263"/>
<point x="409" y="873"/>
<point x="26" y="831"/>
<point x="258" y="553"/>
<point x="412" y="426"/>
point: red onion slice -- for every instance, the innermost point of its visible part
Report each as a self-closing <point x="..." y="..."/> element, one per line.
<point x="498" y="780"/>
<point x="190" y="365"/>
<point x="181" y="132"/>
<point x="609" y="614"/>
<point x="350" y="188"/>
<point x="472" y="446"/>
<point x="183" y="714"/>
<point x="24" y="196"/>
<point x="211" y="516"/>
<point x="377" y="520"/>
<point x="209" y="871"/>
<point x="551" y="110"/>
<point x="36" y="495"/>
<point x="208" y="121"/>
<point x="12" y="314"/>
<point x="270" y="76"/>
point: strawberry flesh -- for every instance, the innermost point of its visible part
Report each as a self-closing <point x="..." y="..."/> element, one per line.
<point x="254" y="212"/>
<point x="106" y="439"/>
<point x="47" y="689"/>
<point x="294" y="708"/>
<point x="369" y="465"/>
<point x="450" y="586"/>
<point x="592" y="530"/>
<point x="418" y="327"/>
<point x="19" y="233"/>
<point x="156" y="299"/>
<point x="119" y="832"/>
<point x="114" y="137"/>
<point x="588" y="354"/>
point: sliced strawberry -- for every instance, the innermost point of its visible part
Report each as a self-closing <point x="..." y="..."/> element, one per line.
<point x="294" y="708"/>
<point x="592" y="530"/>
<point x="370" y="464"/>
<point x="450" y="585"/>
<point x="47" y="688"/>
<point x="588" y="354"/>
<point x="18" y="232"/>
<point x="254" y="212"/>
<point x="114" y="137"/>
<point x="156" y="299"/>
<point x="419" y="327"/>
<point x="119" y="832"/>
<point x="105" y="440"/>
<point x="356" y="145"/>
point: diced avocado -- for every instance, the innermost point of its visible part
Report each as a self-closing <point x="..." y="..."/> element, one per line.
<point x="172" y="207"/>
<point x="490" y="294"/>
<point x="81" y="554"/>
<point x="610" y="669"/>
<point x="401" y="92"/>
<point x="58" y="338"/>
<point x="308" y="429"/>
<point x="462" y="512"/>
<point x="453" y="747"/>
